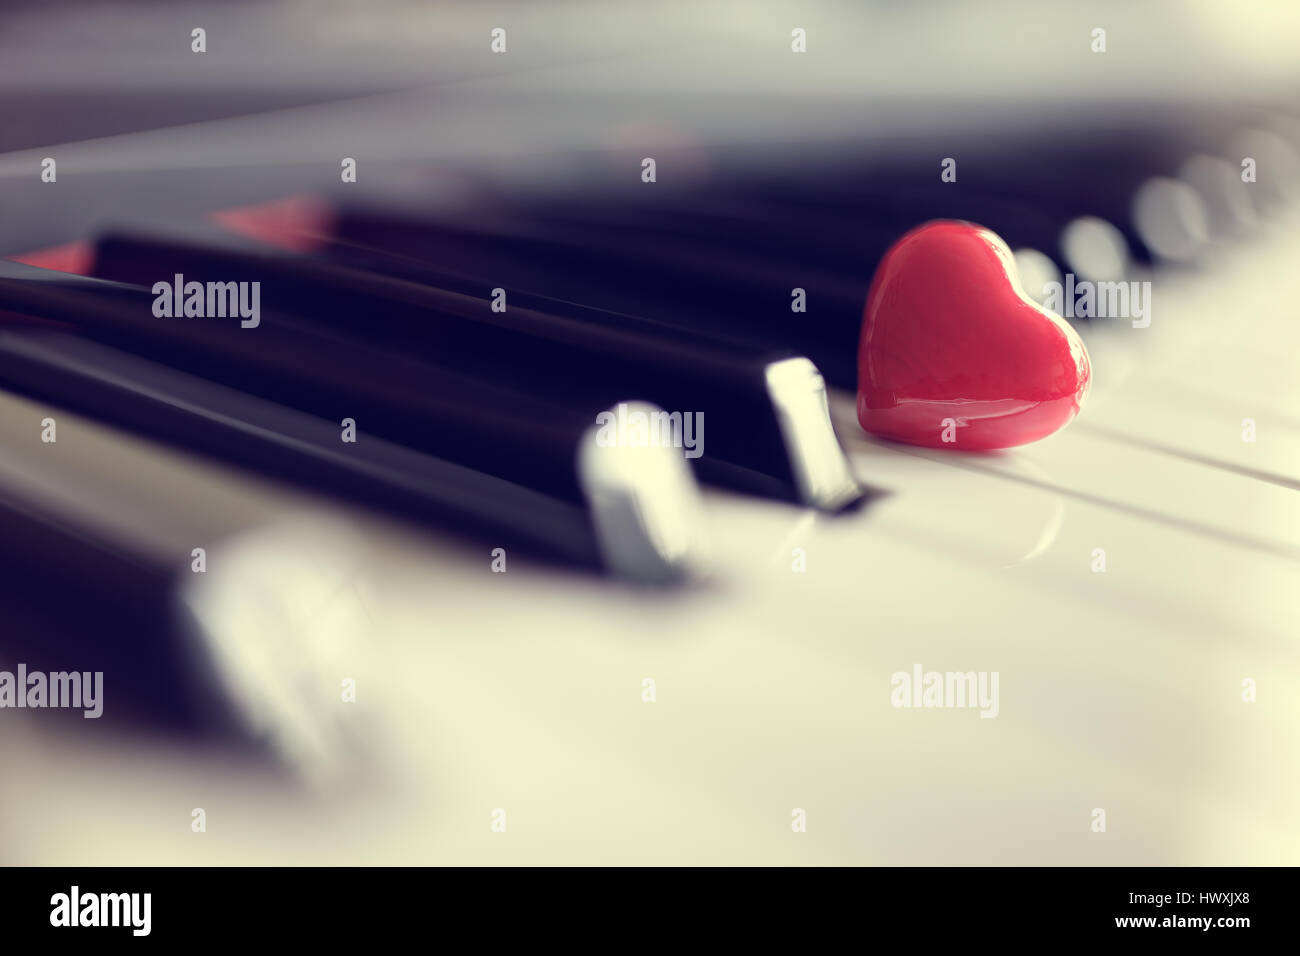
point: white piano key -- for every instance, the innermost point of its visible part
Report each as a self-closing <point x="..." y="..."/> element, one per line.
<point x="1248" y="438"/>
<point x="1178" y="577"/>
<point x="773" y="692"/>
<point x="1223" y="505"/>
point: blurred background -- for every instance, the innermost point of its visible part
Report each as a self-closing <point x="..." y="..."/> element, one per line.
<point x="617" y="724"/>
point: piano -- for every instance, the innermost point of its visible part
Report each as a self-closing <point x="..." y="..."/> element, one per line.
<point x="467" y="633"/>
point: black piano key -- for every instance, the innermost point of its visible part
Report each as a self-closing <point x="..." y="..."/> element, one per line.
<point x="724" y="255"/>
<point x="511" y="469"/>
<point x="1025" y="186"/>
<point x="564" y="355"/>
<point x="697" y="292"/>
<point x="727" y="272"/>
<point x="493" y="430"/>
<point x="158" y="402"/>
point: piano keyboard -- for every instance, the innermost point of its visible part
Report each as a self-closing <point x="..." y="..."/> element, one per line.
<point x="639" y="655"/>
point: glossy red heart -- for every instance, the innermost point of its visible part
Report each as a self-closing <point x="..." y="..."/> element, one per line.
<point x="954" y="355"/>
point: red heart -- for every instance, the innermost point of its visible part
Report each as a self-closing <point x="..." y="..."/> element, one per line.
<point x="952" y="348"/>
